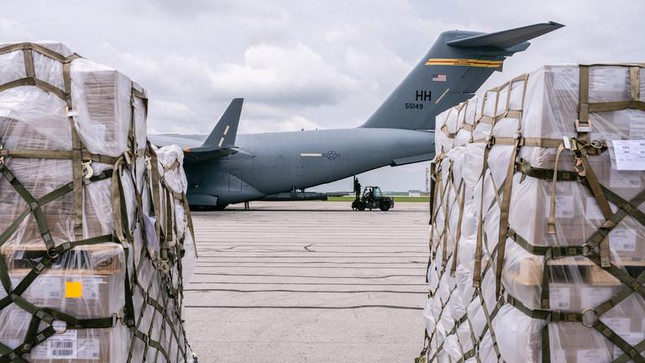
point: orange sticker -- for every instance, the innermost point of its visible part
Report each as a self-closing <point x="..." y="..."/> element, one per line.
<point x="73" y="289"/>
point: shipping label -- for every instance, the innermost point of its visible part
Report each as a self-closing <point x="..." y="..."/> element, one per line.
<point x="20" y="317"/>
<point x="564" y="206"/>
<point x="590" y="356"/>
<point x="630" y="154"/>
<point x="46" y="288"/>
<point x="89" y="348"/>
<point x="625" y="179"/>
<point x="618" y="325"/>
<point x="91" y="288"/>
<point x="622" y="239"/>
<point x="560" y="298"/>
<point x="591" y="297"/>
<point x="637" y="126"/>
<point x="58" y="346"/>
<point x="592" y="210"/>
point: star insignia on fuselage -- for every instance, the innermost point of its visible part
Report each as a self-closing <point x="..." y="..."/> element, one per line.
<point x="331" y="155"/>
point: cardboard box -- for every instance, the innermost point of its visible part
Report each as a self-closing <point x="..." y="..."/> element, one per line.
<point x="577" y="343"/>
<point x="86" y="282"/>
<point x="77" y="346"/>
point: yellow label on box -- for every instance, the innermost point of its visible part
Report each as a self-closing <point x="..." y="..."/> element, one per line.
<point x="73" y="289"/>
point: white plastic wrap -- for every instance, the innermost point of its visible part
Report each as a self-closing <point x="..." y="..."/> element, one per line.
<point x="115" y="183"/>
<point x="551" y="263"/>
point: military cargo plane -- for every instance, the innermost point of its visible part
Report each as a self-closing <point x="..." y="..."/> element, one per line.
<point x="227" y="169"/>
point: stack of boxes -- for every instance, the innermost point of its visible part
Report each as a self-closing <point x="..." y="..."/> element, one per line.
<point x="520" y="267"/>
<point x="94" y="238"/>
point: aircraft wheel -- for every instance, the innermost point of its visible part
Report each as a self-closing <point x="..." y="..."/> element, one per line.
<point x="384" y="207"/>
<point x="220" y="206"/>
<point x="198" y="208"/>
<point x="360" y="207"/>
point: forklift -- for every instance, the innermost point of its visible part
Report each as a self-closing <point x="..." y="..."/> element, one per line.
<point x="372" y="198"/>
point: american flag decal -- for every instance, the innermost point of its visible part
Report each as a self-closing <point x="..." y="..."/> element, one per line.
<point x="439" y="77"/>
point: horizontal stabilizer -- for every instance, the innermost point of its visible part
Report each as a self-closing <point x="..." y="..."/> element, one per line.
<point x="506" y="39"/>
<point x="412" y="159"/>
<point x="221" y="141"/>
<point x="204" y="153"/>
<point x="225" y="131"/>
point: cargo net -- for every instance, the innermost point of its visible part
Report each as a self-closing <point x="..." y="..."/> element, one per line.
<point x="96" y="239"/>
<point x="537" y="239"/>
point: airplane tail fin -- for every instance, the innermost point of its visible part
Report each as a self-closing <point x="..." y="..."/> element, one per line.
<point x="224" y="133"/>
<point x="451" y="72"/>
<point x="221" y="141"/>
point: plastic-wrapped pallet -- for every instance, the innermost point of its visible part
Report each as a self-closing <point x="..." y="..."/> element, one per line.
<point x="95" y="234"/>
<point x="537" y="243"/>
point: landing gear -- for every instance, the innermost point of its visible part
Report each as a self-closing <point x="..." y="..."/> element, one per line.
<point x="220" y="207"/>
<point x="207" y="208"/>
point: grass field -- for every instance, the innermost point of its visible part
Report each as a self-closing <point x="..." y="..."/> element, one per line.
<point x="349" y="199"/>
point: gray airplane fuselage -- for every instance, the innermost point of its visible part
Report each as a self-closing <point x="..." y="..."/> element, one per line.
<point x="285" y="161"/>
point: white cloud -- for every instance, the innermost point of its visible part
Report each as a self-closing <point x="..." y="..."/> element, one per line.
<point x="293" y="123"/>
<point x="168" y="75"/>
<point x="177" y="117"/>
<point x="13" y="30"/>
<point x="292" y="74"/>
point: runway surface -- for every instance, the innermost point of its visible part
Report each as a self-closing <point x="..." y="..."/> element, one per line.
<point x="308" y="282"/>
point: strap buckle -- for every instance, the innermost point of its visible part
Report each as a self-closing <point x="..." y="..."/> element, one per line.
<point x="147" y="161"/>
<point x="70" y="113"/>
<point x="59" y="326"/>
<point x="583" y="126"/>
<point x="88" y="171"/>
<point x="53" y="253"/>
<point x="128" y="155"/>
<point x="164" y="265"/>
<point x="588" y="249"/>
<point x="570" y="143"/>
<point x="596" y="144"/>
<point x="589" y="317"/>
<point x="490" y="141"/>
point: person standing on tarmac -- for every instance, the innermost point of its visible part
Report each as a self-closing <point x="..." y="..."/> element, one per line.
<point x="357" y="188"/>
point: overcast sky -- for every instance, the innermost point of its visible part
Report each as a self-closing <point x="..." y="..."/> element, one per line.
<point x="306" y="64"/>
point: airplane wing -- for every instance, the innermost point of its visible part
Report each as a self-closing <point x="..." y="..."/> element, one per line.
<point x="221" y="141"/>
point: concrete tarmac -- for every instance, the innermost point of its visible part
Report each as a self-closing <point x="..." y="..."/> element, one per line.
<point x="308" y="282"/>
